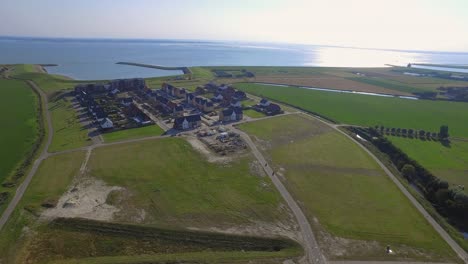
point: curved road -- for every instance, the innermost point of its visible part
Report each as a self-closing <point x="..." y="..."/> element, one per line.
<point x="313" y="253"/>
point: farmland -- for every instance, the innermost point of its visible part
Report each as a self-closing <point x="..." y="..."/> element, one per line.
<point x="18" y="105"/>
<point x="147" y="131"/>
<point x="341" y="188"/>
<point x="18" y="113"/>
<point x="371" y="110"/>
<point x="390" y="80"/>
<point x="450" y="163"/>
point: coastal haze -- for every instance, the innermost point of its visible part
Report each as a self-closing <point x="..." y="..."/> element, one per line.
<point x="94" y="59"/>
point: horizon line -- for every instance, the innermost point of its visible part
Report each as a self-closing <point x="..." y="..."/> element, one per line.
<point x="222" y="41"/>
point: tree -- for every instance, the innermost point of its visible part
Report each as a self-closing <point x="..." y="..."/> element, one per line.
<point x="398" y="131"/>
<point x="444" y="132"/>
<point x="404" y="131"/>
<point x="408" y="171"/>
<point x="421" y="133"/>
<point x="428" y="135"/>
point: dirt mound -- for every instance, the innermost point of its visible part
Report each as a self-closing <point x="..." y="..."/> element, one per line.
<point x="85" y="199"/>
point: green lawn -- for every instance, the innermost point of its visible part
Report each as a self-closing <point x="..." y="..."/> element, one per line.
<point x="49" y="83"/>
<point x="250" y="257"/>
<point x="253" y="114"/>
<point x="371" y="110"/>
<point x="176" y="186"/>
<point x="344" y="188"/>
<point x="69" y="133"/>
<point x="448" y="163"/>
<point x="18" y="106"/>
<point x="147" y="131"/>
<point x="51" y="180"/>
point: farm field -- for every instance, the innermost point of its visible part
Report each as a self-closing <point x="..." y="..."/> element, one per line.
<point x="69" y="133"/>
<point x="344" y="192"/>
<point x="368" y="110"/>
<point x="176" y="186"/>
<point x="147" y="131"/>
<point x="448" y="163"/>
<point x="57" y="172"/>
<point x="389" y="80"/>
<point x="18" y="106"/>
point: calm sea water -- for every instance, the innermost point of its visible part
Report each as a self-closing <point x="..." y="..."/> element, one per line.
<point x="95" y="59"/>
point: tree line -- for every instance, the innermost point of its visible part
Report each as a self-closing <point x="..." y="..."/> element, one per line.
<point x="449" y="202"/>
<point x="442" y="135"/>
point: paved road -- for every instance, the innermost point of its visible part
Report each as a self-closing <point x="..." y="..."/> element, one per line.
<point x="313" y="253"/>
<point x="44" y="154"/>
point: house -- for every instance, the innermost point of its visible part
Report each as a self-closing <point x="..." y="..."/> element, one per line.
<point x="264" y="103"/>
<point x="208" y="107"/>
<point x="235" y="103"/>
<point x="189" y="98"/>
<point x="273" y="109"/>
<point x="115" y="91"/>
<point x="180" y="93"/>
<point x="187" y="122"/>
<point x="106" y="123"/>
<point x="126" y="101"/>
<point x="231" y="114"/>
<point x="217" y="97"/>
<point x="223" y="87"/>
<point x="240" y="95"/>
<point x="178" y="110"/>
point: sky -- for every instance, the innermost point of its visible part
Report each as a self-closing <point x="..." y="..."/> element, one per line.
<point x="388" y="24"/>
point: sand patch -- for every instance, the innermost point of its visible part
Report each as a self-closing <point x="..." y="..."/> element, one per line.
<point x="85" y="199"/>
<point x="205" y="151"/>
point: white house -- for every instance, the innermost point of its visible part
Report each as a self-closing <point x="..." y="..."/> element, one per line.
<point x="106" y="123"/>
<point x="264" y="103"/>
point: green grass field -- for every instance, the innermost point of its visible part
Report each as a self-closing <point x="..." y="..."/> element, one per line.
<point x="176" y="186"/>
<point x="69" y="133"/>
<point x="371" y="110"/>
<point x="249" y="257"/>
<point x="18" y="106"/>
<point x="341" y="186"/>
<point x="147" y="131"/>
<point x="253" y="114"/>
<point x="49" y="83"/>
<point x="448" y="163"/>
<point x="52" y="179"/>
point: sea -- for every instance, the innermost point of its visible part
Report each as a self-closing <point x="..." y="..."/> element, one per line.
<point x="94" y="59"/>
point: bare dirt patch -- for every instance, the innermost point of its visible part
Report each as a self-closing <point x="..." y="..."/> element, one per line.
<point x="205" y="151"/>
<point x="86" y="199"/>
<point x="327" y="82"/>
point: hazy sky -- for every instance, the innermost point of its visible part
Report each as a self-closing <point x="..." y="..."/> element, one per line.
<point x="398" y="24"/>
